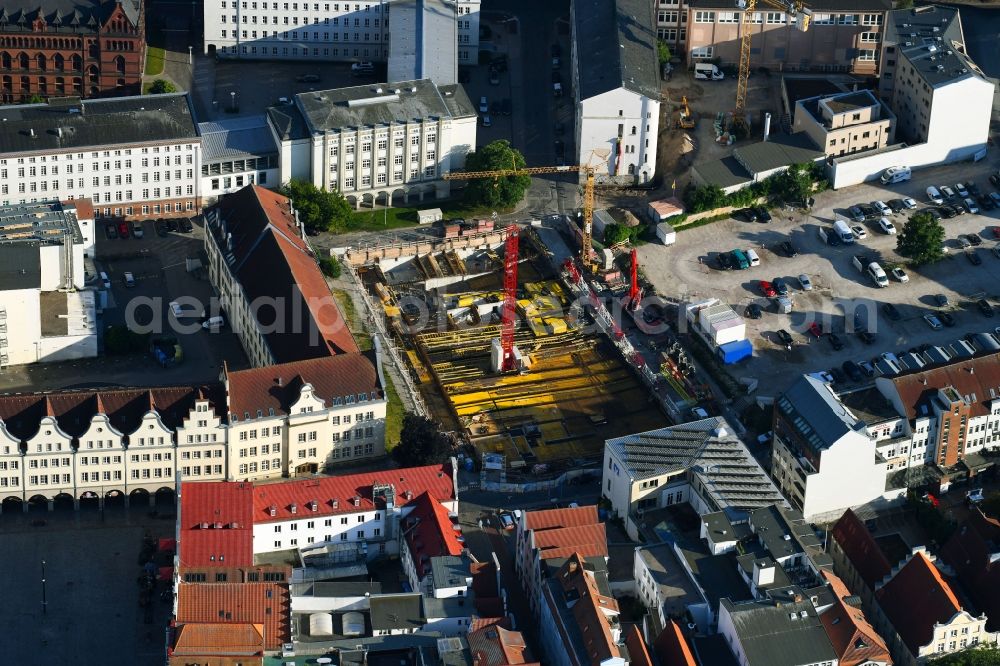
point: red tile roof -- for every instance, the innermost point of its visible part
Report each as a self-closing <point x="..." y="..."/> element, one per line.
<point x="197" y="639"/>
<point x="591" y="611"/>
<point x="861" y="548"/>
<point x="429" y="533"/>
<point x="216" y="526"/>
<point x="272" y="261"/>
<point x="589" y="540"/>
<point x="672" y="648"/>
<point x="970" y="551"/>
<point x="257" y="603"/>
<point x="277" y="387"/>
<point x="553" y="518"/>
<point x="638" y="653"/>
<point x="335" y="494"/>
<point x="853" y="638"/>
<point x="84" y="208"/>
<point x="972" y="376"/>
<point x="915" y="599"/>
<point x="492" y="643"/>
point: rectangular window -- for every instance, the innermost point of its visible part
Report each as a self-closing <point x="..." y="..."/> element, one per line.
<point x="704" y="17"/>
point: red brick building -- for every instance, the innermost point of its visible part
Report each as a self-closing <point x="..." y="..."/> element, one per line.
<point x="85" y="48"/>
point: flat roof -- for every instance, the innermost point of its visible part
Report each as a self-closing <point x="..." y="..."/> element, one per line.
<point x="65" y="124"/>
<point x="424" y="41"/>
<point x="869" y="405"/>
<point x="931" y="39"/>
<point x="235" y="139"/>
<point x="43" y="222"/>
<point x="670" y="579"/>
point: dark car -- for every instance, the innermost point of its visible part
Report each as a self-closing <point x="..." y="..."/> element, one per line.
<point x="499" y="63"/>
<point x="943" y="211"/>
<point x="172" y="224"/>
<point x="780" y="286"/>
<point x="853" y="370"/>
<point x="111" y="231"/>
<point x="891" y="312"/>
<point x="836" y="342"/>
<point x="788" y="249"/>
<point x="753" y="311"/>
<point x="857" y="214"/>
<point x="985" y="202"/>
<point x="185" y="225"/>
<point x="748" y="214"/>
<point x="307" y="78"/>
<point x="495" y="108"/>
<point x="762" y="214"/>
<point x="784" y="336"/>
<point x="895" y="205"/>
<point x="838" y="376"/>
<point x="725" y="261"/>
<point x="973" y="189"/>
<point x="957" y="209"/>
<point x="974" y="238"/>
<point x="934" y="212"/>
<point x="161" y="229"/>
<point x="505" y="107"/>
<point x="995" y="179"/>
<point x="123" y="230"/>
<point x="941" y="300"/>
<point x="946" y="319"/>
<point x="985" y="307"/>
<point x="556" y="77"/>
<point x="556" y="51"/>
<point x="973" y="257"/>
<point x="867" y="337"/>
<point x="870" y="211"/>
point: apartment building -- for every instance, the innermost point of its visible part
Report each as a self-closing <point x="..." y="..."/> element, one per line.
<point x="385" y="142"/>
<point x="133" y="157"/>
<point x="237" y="152"/>
<point x="431" y="551"/>
<point x="320" y="31"/>
<point x="671" y="23"/>
<point x="845" y="123"/>
<point x="65" y="47"/>
<point x="616" y="88"/>
<point x="279" y="421"/>
<point x="843" y="36"/>
<point x="973" y="551"/>
<point x="823" y="459"/>
<point x="768" y="632"/>
<point x="268" y="282"/>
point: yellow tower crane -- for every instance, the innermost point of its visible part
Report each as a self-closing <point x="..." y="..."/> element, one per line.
<point x="588" y="195"/>
<point x="794" y="8"/>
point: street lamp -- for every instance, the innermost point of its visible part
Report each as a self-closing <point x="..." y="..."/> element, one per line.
<point x="190" y="55"/>
<point x="45" y="603"/>
<point x="232" y="100"/>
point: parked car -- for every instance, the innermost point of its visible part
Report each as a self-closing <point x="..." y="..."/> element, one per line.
<point x="882" y="208"/>
<point x="946" y="319"/>
<point x="891" y="312"/>
<point x="970" y="205"/>
<point x="960" y="189"/>
<point x="985" y="202"/>
<point x="909" y="203"/>
<point x="559" y="129"/>
<point x="506" y="521"/>
<point x="128" y="279"/>
<point x="123" y="229"/>
<point x="556" y="51"/>
<point x="805" y="282"/>
<point x="996" y="251"/>
<point x="505" y="106"/>
<point x="896" y="205"/>
<point x="995" y="179"/>
<point x="136" y="228"/>
<point x="867" y="368"/>
<point x="815" y="330"/>
<point x="788" y="249"/>
<point x="853" y="371"/>
<point x="975" y="239"/>
<point x="867" y="337"/>
<point x="932" y="321"/>
<point x="484" y="106"/>
<point x="870" y="211"/>
<point x="836" y="342"/>
<point x="111" y="231"/>
<point x="767" y="289"/>
<point x="161" y="229"/>
<point x="973" y="257"/>
<point x="941" y="300"/>
<point x="973" y="189"/>
<point x="186" y="225"/>
<point x="748" y="214"/>
<point x="995" y="198"/>
<point x="753" y="311"/>
<point x="947" y="192"/>
<point x="495" y="107"/>
<point x="487" y="121"/>
<point x="900" y="274"/>
<point x="780" y="286"/>
<point x="494" y="77"/>
<point x="762" y="214"/>
<point x="838" y="376"/>
<point x="725" y="261"/>
<point x="886" y="226"/>
<point x="934" y="195"/>
<point x="974" y="496"/>
<point x="985" y="307"/>
<point x="172" y="224"/>
<point x="784" y="336"/>
<point x="957" y="209"/>
<point x="307" y="78"/>
<point x="943" y="212"/>
<point x="856" y="213"/>
<point x="859" y="232"/>
<point x="105" y="281"/>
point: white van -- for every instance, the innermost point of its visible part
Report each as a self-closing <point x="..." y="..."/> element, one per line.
<point x="362" y="68"/>
<point x="843" y="231"/>
<point x="105" y="282"/>
<point x="752" y="257"/>
<point x="896" y="174"/>
<point x="213" y="323"/>
<point x="934" y="196"/>
<point x="877" y="275"/>
<point x="705" y="71"/>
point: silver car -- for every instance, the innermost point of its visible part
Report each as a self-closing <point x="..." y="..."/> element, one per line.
<point x="805" y="282"/>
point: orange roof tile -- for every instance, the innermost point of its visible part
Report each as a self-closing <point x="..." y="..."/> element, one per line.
<point x="672" y="648"/>
<point x="861" y="549"/>
<point x="257" y="603"/>
<point x="591" y="610"/>
<point x="853" y="638"/>
<point x="972" y="376"/>
<point x="915" y="598"/>
<point x="198" y="639"/>
<point x="335" y="494"/>
<point x="216" y="527"/>
<point x="590" y="538"/>
<point x="553" y="518"/>
<point x="492" y="643"/>
<point x="638" y="653"/>
<point x="430" y="533"/>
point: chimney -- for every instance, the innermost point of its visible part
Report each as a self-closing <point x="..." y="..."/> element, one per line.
<point x="767" y="125"/>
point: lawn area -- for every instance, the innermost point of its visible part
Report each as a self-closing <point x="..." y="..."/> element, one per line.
<point x="154" y="60"/>
<point x="362" y="337"/>
<point x="383" y="219"/>
<point x="393" y="414"/>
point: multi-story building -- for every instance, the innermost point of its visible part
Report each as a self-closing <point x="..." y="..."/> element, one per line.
<point x="822" y="458"/>
<point x="270" y="422"/>
<point x="973" y="551"/>
<point x="237" y="152"/>
<point x="671" y="23"/>
<point x="431" y="551"/>
<point x="841" y="37"/>
<point x="769" y="633"/>
<point x="845" y="123"/>
<point x="320" y="31"/>
<point x="68" y="47"/>
<point x="268" y="281"/>
<point x="133" y="157"/>
<point x="381" y="142"/>
<point x="616" y="88"/>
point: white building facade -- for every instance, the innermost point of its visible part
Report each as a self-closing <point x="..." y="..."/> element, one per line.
<point x="133" y="157"/>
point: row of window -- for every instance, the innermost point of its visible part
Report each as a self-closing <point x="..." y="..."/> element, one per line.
<point x="781" y="18"/>
<point x="305" y="53"/>
<point x="328" y="522"/>
<point x="305" y="6"/>
<point x="275" y="35"/>
<point x="360" y="535"/>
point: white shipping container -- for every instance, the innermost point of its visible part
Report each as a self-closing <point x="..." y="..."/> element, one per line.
<point x="728" y="331"/>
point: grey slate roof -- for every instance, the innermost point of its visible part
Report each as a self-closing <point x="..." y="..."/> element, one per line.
<point x="449" y="571"/>
<point x="20" y="267"/>
<point x="288" y="122"/>
<point x="450" y="607"/>
<point x="931" y="39"/>
<point x="724" y="173"/>
<point x="731" y="478"/>
<point x="843" y="6"/>
<point x="810" y="406"/>
<point x="365" y="106"/>
<point x="616" y="47"/>
<point x="96" y="122"/>
<point x="63" y="16"/>
<point x="397" y="611"/>
<point x="780" y="150"/>
<point x="235" y="139"/>
<point x="770" y="637"/>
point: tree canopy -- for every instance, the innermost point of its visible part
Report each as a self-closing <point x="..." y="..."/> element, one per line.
<point x="421" y="442"/>
<point x="921" y="239"/>
<point x="662" y="51"/>
<point x="502" y="192"/>
<point x="161" y="86"/>
<point x="982" y="655"/>
<point x="318" y="209"/>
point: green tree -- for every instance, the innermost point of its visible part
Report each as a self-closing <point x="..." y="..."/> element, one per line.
<point x="319" y="210"/>
<point x="981" y="655"/>
<point x="330" y="267"/>
<point x="162" y="86"/>
<point x="706" y="197"/>
<point x="36" y="99"/>
<point x="921" y="239"/>
<point x="421" y="442"/>
<point x="501" y="192"/>
<point x="616" y="233"/>
<point x="662" y="51"/>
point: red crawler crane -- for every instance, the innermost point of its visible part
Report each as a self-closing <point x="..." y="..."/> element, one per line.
<point x="633" y="293"/>
<point x="509" y="300"/>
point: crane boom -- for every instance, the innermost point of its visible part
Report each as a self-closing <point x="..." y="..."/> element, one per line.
<point x="802" y="16"/>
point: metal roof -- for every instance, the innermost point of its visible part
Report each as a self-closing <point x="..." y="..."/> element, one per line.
<point x="724" y="173"/>
<point x="931" y="39"/>
<point x="780" y="635"/>
<point x="44" y="222"/>
<point x="236" y="138"/>
<point x="781" y="150"/>
<point x="617" y="47"/>
<point x="815" y="412"/>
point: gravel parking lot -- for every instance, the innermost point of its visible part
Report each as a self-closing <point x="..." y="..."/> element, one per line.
<point x="687" y="271"/>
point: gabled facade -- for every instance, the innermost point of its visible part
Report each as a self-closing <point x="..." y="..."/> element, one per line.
<point x="974" y="553"/>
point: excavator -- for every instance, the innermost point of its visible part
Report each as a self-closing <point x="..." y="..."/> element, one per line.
<point x="685" y="119"/>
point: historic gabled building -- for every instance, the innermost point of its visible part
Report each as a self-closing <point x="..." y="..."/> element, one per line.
<point x="87" y="48"/>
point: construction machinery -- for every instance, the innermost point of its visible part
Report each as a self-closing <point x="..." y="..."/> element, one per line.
<point x="634" y="293"/>
<point x="802" y="17"/>
<point x="685" y="119"/>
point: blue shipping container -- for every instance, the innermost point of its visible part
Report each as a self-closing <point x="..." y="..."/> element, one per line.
<point x="733" y="352"/>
